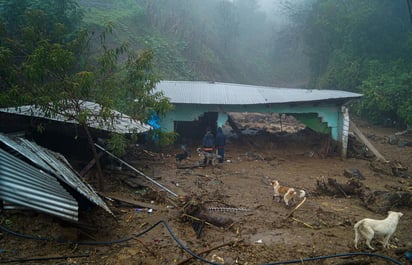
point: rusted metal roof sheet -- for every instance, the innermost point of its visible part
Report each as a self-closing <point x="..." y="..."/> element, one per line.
<point x="51" y="164"/>
<point x="121" y="124"/>
<point x="195" y="92"/>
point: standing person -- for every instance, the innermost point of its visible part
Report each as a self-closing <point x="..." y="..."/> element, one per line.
<point x="208" y="143"/>
<point x="220" y="144"/>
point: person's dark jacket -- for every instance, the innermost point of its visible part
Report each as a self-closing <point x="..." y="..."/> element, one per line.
<point x="208" y="140"/>
<point x="220" y="138"/>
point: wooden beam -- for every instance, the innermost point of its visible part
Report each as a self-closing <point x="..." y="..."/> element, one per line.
<point x="366" y="142"/>
<point x="90" y="165"/>
<point x="131" y="202"/>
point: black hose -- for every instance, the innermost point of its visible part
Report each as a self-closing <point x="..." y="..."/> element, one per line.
<point x="44" y="259"/>
<point x="116" y="241"/>
<point x="194" y="254"/>
<point x="62" y="241"/>
<point x="336" y="256"/>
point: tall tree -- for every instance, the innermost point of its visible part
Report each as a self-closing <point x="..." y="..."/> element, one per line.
<point x="58" y="74"/>
<point x="24" y="25"/>
<point x="356" y="46"/>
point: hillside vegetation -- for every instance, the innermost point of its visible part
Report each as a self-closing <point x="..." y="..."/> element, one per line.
<point x="204" y="40"/>
<point x="358" y="46"/>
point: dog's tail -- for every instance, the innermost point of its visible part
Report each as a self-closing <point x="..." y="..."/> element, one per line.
<point x="356" y="228"/>
<point x="302" y="193"/>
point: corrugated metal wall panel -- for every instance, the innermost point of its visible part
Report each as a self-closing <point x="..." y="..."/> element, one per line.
<point x="59" y="167"/>
<point x="24" y="151"/>
<point x="63" y="171"/>
<point x="15" y="180"/>
<point x="23" y="184"/>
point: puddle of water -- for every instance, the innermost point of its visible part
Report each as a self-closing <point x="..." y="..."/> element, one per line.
<point x="269" y="238"/>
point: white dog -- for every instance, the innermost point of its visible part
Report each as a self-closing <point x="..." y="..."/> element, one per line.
<point x="369" y="227"/>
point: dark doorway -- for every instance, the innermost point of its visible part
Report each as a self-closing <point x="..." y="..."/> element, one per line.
<point x="194" y="130"/>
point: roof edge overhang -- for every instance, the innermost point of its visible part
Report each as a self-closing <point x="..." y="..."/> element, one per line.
<point x="121" y="123"/>
<point x="340" y="101"/>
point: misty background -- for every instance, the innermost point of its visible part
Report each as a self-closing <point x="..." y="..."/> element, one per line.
<point x="241" y="41"/>
<point x="362" y="46"/>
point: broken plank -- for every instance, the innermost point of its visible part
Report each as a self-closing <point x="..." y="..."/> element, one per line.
<point x="132" y="202"/>
<point x="366" y="142"/>
<point x="188" y="166"/>
<point x="90" y="165"/>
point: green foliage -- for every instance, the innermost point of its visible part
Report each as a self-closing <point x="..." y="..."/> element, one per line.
<point x="168" y="55"/>
<point x="8" y="72"/>
<point x="34" y="34"/>
<point x="117" y="144"/>
<point x="387" y="93"/>
<point x="45" y="47"/>
<point x="165" y="138"/>
<point x="363" y="46"/>
<point x="405" y="111"/>
<point x="100" y="12"/>
<point x="342" y="72"/>
<point x="136" y="95"/>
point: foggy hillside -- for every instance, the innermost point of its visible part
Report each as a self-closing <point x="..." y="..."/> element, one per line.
<point x="359" y="46"/>
<point x="351" y="45"/>
<point x="226" y="41"/>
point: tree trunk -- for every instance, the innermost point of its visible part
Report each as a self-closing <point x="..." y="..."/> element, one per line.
<point x="95" y="156"/>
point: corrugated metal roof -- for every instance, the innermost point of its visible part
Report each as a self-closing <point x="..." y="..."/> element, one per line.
<point x="196" y="92"/>
<point x="52" y="164"/>
<point x="121" y="124"/>
<point x="25" y="185"/>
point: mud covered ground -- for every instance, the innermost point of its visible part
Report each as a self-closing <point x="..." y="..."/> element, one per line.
<point x="254" y="228"/>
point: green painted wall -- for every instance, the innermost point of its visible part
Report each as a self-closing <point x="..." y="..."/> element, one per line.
<point x="322" y="117"/>
<point x="313" y="121"/>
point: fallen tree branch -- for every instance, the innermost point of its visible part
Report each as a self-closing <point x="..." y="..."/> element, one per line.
<point x="305" y="224"/>
<point x="297" y="207"/>
<point x="199" y="220"/>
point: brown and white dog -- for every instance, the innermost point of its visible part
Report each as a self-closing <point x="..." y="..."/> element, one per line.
<point x="368" y="227"/>
<point x="287" y="193"/>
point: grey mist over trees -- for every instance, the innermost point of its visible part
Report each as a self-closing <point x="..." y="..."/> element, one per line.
<point x="354" y="45"/>
<point x="214" y="40"/>
<point x="360" y="46"/>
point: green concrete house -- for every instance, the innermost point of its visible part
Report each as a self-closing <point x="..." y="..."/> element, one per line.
<point x="200" y="104"/>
